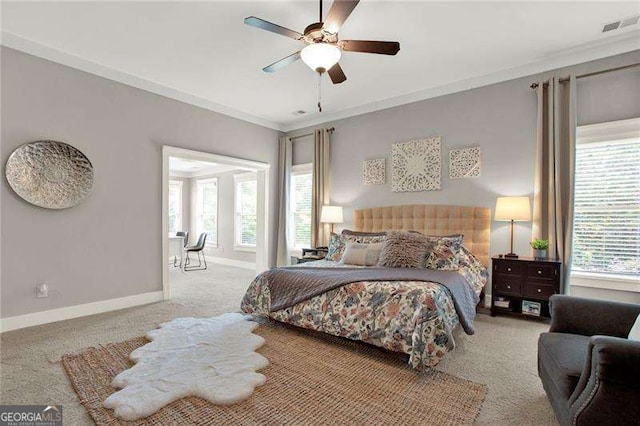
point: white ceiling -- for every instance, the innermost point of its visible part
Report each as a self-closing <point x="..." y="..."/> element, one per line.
<point x="204" y="54"/>
<point x="182" y="167"/>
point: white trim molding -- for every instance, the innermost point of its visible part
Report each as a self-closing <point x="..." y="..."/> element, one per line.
<point x="586" y="52"/>
<point x="77" y="311"/>
<point x="232" y="262"/>
<point x="609" y="131"/>
<point x="22" y="44"/>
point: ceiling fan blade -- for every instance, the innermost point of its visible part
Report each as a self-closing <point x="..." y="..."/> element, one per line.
<point x="366" y="46"/>
<point x="336" y="74"/>
<point x="269" y="26"/>
<point x="278" y="65"/>
<point x="339" y="12"/>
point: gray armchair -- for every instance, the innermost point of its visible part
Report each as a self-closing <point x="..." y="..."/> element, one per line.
<point x="589" y="369"/>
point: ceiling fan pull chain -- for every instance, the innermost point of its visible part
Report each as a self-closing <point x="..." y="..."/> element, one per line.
<point x="319" y="92"/>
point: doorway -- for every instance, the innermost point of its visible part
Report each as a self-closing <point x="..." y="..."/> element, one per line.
<point x="219" y="199"/>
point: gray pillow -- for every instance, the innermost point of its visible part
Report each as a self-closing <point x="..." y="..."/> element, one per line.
<point x="361" y="254"/>
<point x="403" y="250"/>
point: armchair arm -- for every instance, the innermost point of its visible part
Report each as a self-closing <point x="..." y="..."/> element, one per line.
<point x="576" y="315"/>
<point x="609" y="383"/>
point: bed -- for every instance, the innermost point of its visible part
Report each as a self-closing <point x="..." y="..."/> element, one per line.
<point x="401" y="310"/>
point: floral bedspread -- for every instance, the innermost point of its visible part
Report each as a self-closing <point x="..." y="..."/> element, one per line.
<point x="416" y="318"/>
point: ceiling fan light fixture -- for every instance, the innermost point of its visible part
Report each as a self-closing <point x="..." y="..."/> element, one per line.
<point x="321" y="56"/>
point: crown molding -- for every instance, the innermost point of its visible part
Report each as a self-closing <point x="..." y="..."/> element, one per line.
<point x="17" y="42"/>
<point x="567" y="57"/>
<point x="598" y="49"/>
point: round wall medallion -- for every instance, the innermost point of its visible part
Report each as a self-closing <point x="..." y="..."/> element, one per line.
<point x="50" y="174"/>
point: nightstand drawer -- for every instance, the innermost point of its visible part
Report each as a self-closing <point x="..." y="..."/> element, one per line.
<point x="509" y="267"/>
<point x="507" y="285"/>
<point x="539" y="290"/>
<point x="541" y="271"/>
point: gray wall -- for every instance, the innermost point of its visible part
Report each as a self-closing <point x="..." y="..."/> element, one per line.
<point x="110" y="245"/>
<point x="500" y="118"/>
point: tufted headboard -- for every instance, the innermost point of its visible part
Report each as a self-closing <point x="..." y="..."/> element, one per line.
<point x="473" y="222"/>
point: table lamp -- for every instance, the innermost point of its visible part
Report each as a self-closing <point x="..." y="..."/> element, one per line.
<point x="513" y="209"/>
<point x="332" y="215"/>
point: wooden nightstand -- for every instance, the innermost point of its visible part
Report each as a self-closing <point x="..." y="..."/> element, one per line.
<point x="524" y="279"/>
<point x="309" y="255"/>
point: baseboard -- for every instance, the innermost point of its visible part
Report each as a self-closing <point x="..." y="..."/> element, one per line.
<point x="76" y="311"/>
<point x="231" y="262"/>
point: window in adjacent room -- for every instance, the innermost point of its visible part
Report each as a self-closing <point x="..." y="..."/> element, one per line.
<point x="175" y="206"/>
<point x="607" y="200"/>
<point x="207" y="210"/>
<point x="246" y="203"/>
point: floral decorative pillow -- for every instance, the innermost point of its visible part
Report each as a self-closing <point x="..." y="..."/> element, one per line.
<point x="337" y="242"/>
<point x="472" y="269"/>
<point x="403" y="250"/>
<point x="336" y="248"/>
<point x="443" y="252"/>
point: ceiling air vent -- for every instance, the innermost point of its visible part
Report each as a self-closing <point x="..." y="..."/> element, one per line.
<point x="610" y="27"/>
<point x="629" y="21"/>
<point x="620" y="24"/>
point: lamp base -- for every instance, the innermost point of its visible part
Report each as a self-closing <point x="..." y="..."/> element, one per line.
<point x="511" y="255"/>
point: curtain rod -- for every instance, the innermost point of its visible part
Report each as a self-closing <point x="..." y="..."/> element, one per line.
<point x="589" y="74"/>
<point x="330" y="130"/>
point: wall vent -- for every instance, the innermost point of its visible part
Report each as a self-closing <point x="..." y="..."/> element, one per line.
<point x="620" y="24"/>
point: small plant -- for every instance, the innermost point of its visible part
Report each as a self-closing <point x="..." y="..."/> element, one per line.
<point x="538" y="244"/>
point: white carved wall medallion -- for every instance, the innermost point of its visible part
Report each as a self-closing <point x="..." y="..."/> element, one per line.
<point x="464" y="163"/>
<point x="373" y="172"/>
<point x="415" y="165"/>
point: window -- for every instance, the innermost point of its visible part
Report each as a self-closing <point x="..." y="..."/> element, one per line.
<point x="607" y="200"/>
<point x="175" y="206"/>
<point x="207" y="209"/>
<point x="300" y="206"/>
<point x="246" y="202"/>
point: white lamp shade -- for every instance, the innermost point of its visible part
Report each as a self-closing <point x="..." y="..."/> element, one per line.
<point x="331" y="214"/>
<point x="321" y="56"/>
<point x="513" y="208"/>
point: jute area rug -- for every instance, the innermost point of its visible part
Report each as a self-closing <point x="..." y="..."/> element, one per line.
<point x="312" y="379"/>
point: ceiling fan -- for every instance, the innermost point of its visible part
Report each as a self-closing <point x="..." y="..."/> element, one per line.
<point x="323" y="48"/>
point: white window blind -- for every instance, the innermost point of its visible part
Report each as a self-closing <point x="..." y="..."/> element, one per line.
<point x="207" y="209"/>
<point x="246" y="203"/>
<point x="175" y="206"/>
<point x="607" y="207"/>
<point x="300" y="206"/>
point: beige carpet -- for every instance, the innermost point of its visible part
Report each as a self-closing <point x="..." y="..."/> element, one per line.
<point x="312" y="378"/>
<point x="501" y="355"/>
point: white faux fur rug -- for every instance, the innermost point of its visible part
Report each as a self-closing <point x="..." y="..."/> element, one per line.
<point x="211" y="358"/>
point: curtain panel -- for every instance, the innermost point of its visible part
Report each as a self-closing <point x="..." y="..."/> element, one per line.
<point x="321" y="187"/>
<point x="555" y="170"/>
<point x="285" y="160"/>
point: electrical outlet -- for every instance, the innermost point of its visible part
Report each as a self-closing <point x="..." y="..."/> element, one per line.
<point x="42" y="290"/>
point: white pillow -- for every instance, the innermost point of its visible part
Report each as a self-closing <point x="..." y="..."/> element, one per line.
<point x="361" y="254"/>
<point x="634" y="334"/>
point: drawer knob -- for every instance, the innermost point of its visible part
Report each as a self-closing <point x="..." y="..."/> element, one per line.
<point x="508" y="286"/>
<point x="539" y="291"/>
<point x="509" y="269"/>
<point x="539" y="272"/>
